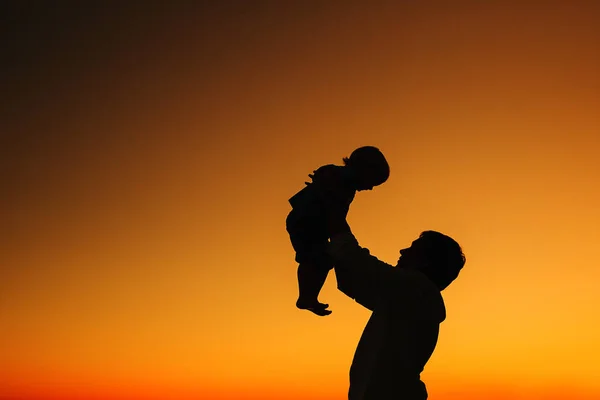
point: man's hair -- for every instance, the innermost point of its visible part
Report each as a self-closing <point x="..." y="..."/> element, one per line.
<point x="445" y="257"/>
<point x="370" y="158"/>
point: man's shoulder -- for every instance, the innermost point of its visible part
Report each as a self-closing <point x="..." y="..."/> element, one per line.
<point x="414" y="290"/>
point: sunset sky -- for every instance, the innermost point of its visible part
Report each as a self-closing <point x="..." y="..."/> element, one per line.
<point x="147" y="155"/>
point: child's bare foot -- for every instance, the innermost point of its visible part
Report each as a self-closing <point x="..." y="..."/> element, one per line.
<point x="313" y="306"/>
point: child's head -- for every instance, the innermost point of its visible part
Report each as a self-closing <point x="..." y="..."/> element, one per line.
<point x="369" y="167"/>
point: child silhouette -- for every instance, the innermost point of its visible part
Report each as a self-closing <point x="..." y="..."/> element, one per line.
<point x="364" y="169"/>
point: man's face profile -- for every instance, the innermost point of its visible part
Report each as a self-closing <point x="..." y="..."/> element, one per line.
<point x="413" y="256"/>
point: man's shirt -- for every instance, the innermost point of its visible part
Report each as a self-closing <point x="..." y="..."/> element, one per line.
<point x="402" y="332"/>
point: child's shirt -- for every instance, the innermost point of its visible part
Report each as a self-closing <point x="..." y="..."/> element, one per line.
<point x="327" y="181"/>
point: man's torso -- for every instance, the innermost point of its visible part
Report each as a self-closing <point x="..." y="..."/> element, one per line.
<point x="393" y="351"/>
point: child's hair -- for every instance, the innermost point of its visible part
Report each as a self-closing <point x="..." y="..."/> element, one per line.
<point x="369" y="158"/>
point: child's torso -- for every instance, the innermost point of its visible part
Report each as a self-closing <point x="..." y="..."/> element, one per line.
<point x="309" y="198"/>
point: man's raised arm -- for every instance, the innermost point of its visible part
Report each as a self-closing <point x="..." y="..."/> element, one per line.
<point x="359" y="275"/>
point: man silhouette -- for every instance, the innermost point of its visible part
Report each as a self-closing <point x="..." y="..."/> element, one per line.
<point x="406" y="303"/>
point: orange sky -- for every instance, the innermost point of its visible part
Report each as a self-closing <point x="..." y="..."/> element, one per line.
<point x="150" y="154"/>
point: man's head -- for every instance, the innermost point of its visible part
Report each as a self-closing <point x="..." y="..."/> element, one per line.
<point x="369" y="167"/>
<point x="436" y="255"/>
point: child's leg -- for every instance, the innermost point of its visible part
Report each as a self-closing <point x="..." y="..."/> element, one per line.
<point x="310" y="243"/>
<point x="311" y="278"/>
